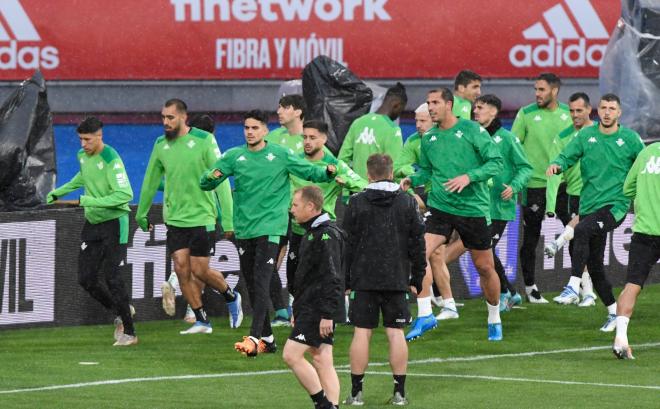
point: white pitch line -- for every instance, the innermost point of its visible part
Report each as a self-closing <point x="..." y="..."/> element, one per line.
<point x="508" y="379"/>
<point x="511" y="355"/>
<point x="342" y="368"/>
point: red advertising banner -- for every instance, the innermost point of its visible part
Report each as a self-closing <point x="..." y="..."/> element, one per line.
<point x="275" y="39"/>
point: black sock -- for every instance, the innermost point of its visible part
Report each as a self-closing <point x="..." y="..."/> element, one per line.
<point x="200" y="315"/>
<point x="229" y="295"/>
<point x="356" y="383"/>
<point x="320" y="400"/>
<point x="400" y="384"/>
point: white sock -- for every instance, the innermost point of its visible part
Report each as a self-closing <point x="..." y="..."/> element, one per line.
<point x="587" y="284"/>
<point x="622" y="329"/>
<point x="574" y="283"/>
<point x="450" y="304"/>
<point x="269" y="338"/>
<point x="424" y="306"/>
<point x="530" y="288"/>
<point x="567" y="234"/>
<point x="611" y="309"/>
<point x="174" y="281"/>
<point x="255" y="340"/>
<point x="560" y="242"/>
<point x="493" y="313"/>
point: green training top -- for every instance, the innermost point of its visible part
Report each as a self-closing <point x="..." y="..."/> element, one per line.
<point x="107" y="188"/>
<point x="408" y="157"/>
<point x="571" y="176"/>
<point x="466" y="148"/>
<point x="536" y="128"/>
<point x="331" y="190"/>
<point x="605" y="162"/>
<point x="282" y="137"/>
<point x="515" y="173"/>
<point x="643" y="185"/>
<point x="369" y="134"/>
<point x="262" y="188"/>
<point x="462" y="108"/>
<point x="183" y="161"/>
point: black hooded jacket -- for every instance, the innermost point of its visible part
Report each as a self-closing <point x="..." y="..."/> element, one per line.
<point x="385" y="248"/>
<point x="317" y="286"/>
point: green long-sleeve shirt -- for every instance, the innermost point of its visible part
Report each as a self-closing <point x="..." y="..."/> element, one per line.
<point x="536" y="128"/>
<point x="515" y="173"/>
<point x="605" y="162"/>
<point x="466" y="148"/>
<point x="643" y="185"/>
<point x="282" y="137"/>
<point x="262" y="187"/>
<point x="571" y="176"/>
<point x="106" y="184"/>
<point x="369" y="134"/>
<point x="408" y="157"/>
<point x="182" y="162"/>
<point x="331" y="189"/>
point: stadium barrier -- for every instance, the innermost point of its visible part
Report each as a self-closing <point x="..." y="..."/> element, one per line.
<point x="39" y="257"/>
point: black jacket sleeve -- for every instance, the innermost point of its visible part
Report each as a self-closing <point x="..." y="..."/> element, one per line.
<point x="349" y="226"/>
<point x="331" y="290"/>
<point x="416" y="247"/>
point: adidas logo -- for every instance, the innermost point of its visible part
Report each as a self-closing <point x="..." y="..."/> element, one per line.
<point x="554" y="52"/>
<point x="16" y="27"/>
<point x="300" y="337"/>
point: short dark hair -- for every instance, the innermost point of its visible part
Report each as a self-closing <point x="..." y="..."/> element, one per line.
<point x="313" y="194"/>
<point x="552" y="79"/>
<point x="179" y="104"/>
<point x="296" y="101"/>
<point x="491" y="100"/>
<point x="610" y="97"/>
<point x="445" y="94"/>
<point x="380" y="166"/>
<point x="257" y="114"/>
<point x="465" y="77"/>
<point x="203" y="122"/>
<point x="580" y="95"/>
<point x="317" y="124"/>
<point x="91" y="124"/>
<point x="398" y="91"/>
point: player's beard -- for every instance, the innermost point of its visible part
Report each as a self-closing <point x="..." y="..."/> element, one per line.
<point x="313" y="152"/>
<point x="612" y="124"/>
<point x="544" y="103"/>
<point x="172" y="133"/>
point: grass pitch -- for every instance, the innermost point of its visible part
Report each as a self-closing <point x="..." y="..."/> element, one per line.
<point x="552" y="357"/>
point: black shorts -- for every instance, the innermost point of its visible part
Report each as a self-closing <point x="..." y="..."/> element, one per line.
<point x="200" y="241"/>
<point x="366" y="306"/>
<point x="474" y="231"/>
<point x="284" y="240"/>
<point x="644" y="254"/>
<point x="306" y="331"/>
<point x="497" y="228"/>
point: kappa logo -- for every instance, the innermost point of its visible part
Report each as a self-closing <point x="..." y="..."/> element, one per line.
<point x="566" y="46"/>
<point x="367" y="136"/>
<point x="117" y="166"/>
<point x="482" y="129"/>
<point x="241" y="158"/>
<point x="465" y="109"/>
<point x="433" y="139"/>
<point x="16" y="27"/>
<point x="300" y="337"/>
<point x="325" y="236"/>
<point x="82" y="161"/>
<point x="270" y="261"/>
<point x="270" y="156"/>
<point x="592" y="140"/>
<point x="652" y="166"/>
<point x="537" y="118"/>
<point x="496" y="237"/>
<point x="166" y="147"/>
<point x="620" y="142"/>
